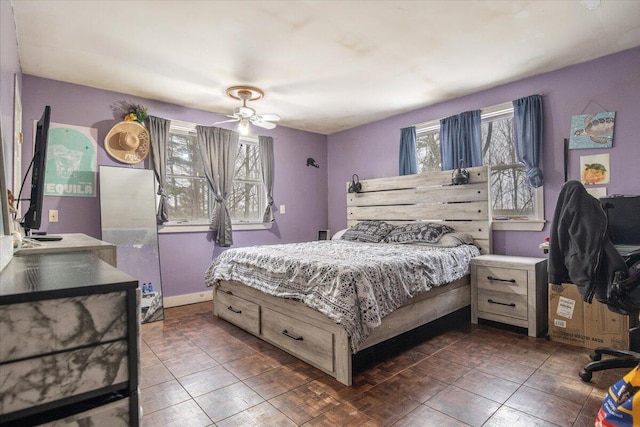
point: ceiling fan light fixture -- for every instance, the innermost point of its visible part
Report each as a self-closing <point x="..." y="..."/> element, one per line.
<point x="247" y="115"/>
<point x="243" y="127"/>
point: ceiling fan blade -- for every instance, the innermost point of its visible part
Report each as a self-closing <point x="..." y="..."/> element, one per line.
<point x="266" y="125"/>
<point x="226" y="121"/>
<point x="266" y="117"/>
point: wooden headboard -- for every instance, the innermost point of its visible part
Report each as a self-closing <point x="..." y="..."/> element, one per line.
<point x="427" y="197"/>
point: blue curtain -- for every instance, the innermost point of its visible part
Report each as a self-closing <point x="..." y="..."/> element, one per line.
<point x="527" y="115"/>
<point x="460" y="139"/>
<point x="408" y="158"/>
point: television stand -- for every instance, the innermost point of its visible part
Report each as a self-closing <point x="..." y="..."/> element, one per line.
<point x="71" y="242"/>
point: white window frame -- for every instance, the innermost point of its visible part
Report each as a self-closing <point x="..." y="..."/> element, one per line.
<point x="536" y="222"/>
<point x="202" y="225"/>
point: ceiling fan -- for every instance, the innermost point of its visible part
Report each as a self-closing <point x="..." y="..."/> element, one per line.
<point x="246" y="115"/>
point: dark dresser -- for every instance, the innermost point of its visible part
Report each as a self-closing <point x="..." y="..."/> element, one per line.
<point x="69" y="334"/>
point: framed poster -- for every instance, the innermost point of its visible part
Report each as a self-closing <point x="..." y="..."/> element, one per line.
<point x="72" y="161"/>
<point x="592" y="130"/>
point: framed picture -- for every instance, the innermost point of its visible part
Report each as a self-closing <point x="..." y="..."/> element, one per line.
<point x="592" y="130"/>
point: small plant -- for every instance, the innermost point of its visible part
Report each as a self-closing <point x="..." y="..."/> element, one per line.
<point x="130" y="111"/>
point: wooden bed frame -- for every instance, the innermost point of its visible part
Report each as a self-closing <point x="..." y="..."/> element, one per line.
<point x="317" y="340"/>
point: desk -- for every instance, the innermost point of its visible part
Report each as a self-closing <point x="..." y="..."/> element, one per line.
<point x="74" y="242"/>
<point x="69" y="331"/>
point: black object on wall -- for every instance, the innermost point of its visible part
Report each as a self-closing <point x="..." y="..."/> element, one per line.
<point x="355" y="186"/>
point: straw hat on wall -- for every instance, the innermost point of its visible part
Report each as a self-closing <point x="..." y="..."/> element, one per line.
<point x="127" y="142"/>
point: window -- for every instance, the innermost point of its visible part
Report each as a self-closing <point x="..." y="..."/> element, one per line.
<point x="247" y="202"/>
<point x="513" y="199"/>
<point x="428" y="147"/>
<point x="187" y="187"/>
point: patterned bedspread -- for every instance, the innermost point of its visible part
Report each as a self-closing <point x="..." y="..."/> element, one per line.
<point x="353" y="283"/>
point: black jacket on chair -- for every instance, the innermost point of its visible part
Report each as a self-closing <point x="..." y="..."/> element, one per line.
<point x="580" y="250"/>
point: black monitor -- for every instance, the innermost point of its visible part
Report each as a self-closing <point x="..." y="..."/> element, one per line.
<point x="33" y="217"/>
<point x="623" y="213"/>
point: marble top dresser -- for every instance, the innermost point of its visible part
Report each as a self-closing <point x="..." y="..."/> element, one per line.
<point x="69" y="331"/>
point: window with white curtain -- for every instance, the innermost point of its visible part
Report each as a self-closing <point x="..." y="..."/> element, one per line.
<point x="514" y="203"/>
<point x="187" y="187"/>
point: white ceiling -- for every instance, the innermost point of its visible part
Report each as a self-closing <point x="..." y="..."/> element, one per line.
<point x="325" y="66"/>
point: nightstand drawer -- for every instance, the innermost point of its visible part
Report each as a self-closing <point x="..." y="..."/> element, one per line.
<point x="502" y="303"/>
<point x="502" y="280"/>
<point x="238" y="311"/>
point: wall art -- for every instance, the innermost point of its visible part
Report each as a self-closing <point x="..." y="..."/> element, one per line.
<point x="592" y="130"/>
<point x="595" y="169"/>
<point x="72" y="161"/>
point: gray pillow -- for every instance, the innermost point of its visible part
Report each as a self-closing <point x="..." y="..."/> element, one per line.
<point x="368" y="231"/>
<point x="429" y="232"/>
<point x="450" y="240"/>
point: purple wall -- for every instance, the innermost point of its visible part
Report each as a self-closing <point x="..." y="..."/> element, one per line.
<point x="184" y="256"/>
<point x="612" y="82"/>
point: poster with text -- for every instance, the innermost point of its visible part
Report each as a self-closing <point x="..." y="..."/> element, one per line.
<point x="592" y="130"/>
<point x="72" y="161"/>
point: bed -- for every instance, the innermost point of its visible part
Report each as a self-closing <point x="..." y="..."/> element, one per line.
<point x="308" y="321"/>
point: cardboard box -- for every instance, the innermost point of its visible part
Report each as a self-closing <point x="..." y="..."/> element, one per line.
<point x="572" y="321"/>
<point x="604" y="328"/>
<point x="566" y="314"/>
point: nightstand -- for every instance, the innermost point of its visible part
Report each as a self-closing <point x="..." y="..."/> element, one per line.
<point x="511" y="290"/>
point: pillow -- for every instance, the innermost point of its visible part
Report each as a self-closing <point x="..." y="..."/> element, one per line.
<point x="429" y="232"/>
<point x="450" y="240"/>
<point x="368" y="231"/>
<point x="339" y="234"/>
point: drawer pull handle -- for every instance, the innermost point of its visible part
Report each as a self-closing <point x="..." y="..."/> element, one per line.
<point x="293" y="337"/>
<point x="490" y="301"/>
<point x="501" y="280"/>
<point x="229" y="292"/>
<point x="234" y="310"/>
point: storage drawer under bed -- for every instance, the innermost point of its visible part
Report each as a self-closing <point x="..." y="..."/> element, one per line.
<point x="302" y="339"/>
<point x="238" y="311"/>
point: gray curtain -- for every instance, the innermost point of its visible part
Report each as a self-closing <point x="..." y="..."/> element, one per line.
<point x="219" y="149"/>
<point x="408" y="158"/>
<point x="266" y="158"/>
<point x="528" y="123"/>
<point x="159" y="136"/>
<point x="460" y="139"/>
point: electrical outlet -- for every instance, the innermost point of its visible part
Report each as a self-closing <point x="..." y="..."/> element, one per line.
<point x="53" y="215"/>
<point x="282" y="210"/>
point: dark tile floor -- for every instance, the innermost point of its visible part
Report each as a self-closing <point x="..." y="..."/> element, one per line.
<point x="198" y="370"/>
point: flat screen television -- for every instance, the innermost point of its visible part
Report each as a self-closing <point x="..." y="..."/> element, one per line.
<point x="32" y="219"/>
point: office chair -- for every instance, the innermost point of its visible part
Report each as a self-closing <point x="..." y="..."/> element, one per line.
<point x="624" y="301"/>
<point x="581" y="252"/>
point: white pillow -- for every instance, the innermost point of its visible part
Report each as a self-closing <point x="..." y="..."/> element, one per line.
<point x="339" y="234"/>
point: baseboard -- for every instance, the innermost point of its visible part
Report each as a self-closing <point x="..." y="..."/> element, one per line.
<point x="187" y="299"/>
